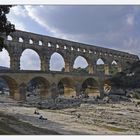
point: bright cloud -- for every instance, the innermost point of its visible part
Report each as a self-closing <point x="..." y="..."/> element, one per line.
<point x="115" y="27"/>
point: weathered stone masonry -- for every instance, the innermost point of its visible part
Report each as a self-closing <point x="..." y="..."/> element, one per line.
<point x="45" y="46"/>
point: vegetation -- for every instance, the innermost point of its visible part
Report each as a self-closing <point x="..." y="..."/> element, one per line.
<point x="5" y="25"/>
<point x="129" y="78"/>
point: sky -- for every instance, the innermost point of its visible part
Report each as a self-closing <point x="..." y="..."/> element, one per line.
<point x="115" y="27"/>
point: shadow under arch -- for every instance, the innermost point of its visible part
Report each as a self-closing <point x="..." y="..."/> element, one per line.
<point x="37" y="87"/>
<point x="66" y="87"/>
<point x="30" y="56"/>
<point x="90" y="87"/>
<point x="11" y="83"/>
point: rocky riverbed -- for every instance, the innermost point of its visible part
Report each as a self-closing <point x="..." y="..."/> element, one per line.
<point x="88" y="118"/>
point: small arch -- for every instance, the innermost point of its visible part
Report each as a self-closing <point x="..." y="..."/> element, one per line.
<point x="89" y="51"/>
<point x="20" y="39"/>
<point x="84" y="50"/>
<point x="4" y="59"/>
<point x="30" y="41"/>
<point x="80" y="65"/>
<point x="57" y="46"/>
<point x="57" y="62"/>
<point x="66" y="87"/>
<point x="65" y="47"/>
<point x="37" y="87"/>
<point x="40" y="43"/>
<point x="9" y="37"/>
<point x="72" y="49"/>
<point x="78" y="50"/>
<point x="49" y="44"/>
<point x="30" y="60"/>
<point x="90" y="87"/>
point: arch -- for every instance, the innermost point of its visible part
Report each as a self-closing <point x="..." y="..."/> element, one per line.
<point x="9" y="37"/>
<point x="30" y="60"/>
<point x="40" y="43"/>
<point x="66" y="87"/>
<point x="57" y="46"/>
<point x="37" y="87"/>
<point x="11" y="83"/>
<point x="80" y="64"/>
<point x="4" y="59"/>
<point x="30" y="41"/>
<point x="90" y="87"/>
<point x="100" y="65"/>
<point x="20" y="39"/>
<point x="57" y="62"/>
<point x="49" y="44"/>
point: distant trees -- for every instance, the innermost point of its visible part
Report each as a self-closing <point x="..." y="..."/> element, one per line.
<point x="5" y="25"/>
<point x="129" y="78"/>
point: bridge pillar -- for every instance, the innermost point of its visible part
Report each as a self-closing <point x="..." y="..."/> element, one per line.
<point x="90" y="69"/>
<point x="101" y="88"/>
<point x="44" y="63"/>
<point x="119" y="68"/>
<point x="78" y="88"/>
<point x="106" y="67"/>
<point x="68" y="67"/>
<point x="15" y="62"/>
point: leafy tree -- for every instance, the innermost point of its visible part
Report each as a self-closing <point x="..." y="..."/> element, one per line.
<point x="129" y="78"/>
<point x="5" y="25"/>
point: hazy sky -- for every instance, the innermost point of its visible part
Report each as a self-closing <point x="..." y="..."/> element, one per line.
<point x="116" y="27"/>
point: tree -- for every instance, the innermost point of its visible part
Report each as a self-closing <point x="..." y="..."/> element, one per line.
<point x="5" y="25"/>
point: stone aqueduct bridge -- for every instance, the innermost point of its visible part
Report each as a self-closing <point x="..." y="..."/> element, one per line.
<point x="45" y="46"/>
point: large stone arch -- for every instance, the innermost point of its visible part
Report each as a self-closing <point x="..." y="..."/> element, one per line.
<point x="5" y="58"/>
<point x="36" y="52"/>
<point x="90" y="87"/>
<point x="66" y="87"/>
<point x="61" y="56"/>
<point x="85" y="58"/>
<point x="12" y="84"/>
<point x="40" y="85"/>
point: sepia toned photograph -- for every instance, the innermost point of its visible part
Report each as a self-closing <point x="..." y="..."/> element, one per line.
<point x="69" y="70"/>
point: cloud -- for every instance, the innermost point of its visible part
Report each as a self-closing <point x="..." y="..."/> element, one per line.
<point x="115" y="27"/>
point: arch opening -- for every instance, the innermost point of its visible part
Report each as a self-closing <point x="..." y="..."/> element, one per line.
<point x="20" y="39"/>
<point x="66" y="87"/>
<point x="30" y="41"/>
<point x="29" y="60"/>
<point x="4" y="59"/>
<point x="8" y="86"/>
<point x="80" y="65"/>
<point x="57" y="62"/>
<point x="114" y="67"/>
<point x="90" y="88"/>
<point x="37" y="88"/>
<point x="40" y="43"/>
<point x="100" y="66"/>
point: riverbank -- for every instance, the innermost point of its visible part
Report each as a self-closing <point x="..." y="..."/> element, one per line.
<point x="87" y="119"/>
